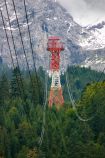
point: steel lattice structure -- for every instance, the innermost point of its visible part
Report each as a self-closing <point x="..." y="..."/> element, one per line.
<point x="55" y="46"/>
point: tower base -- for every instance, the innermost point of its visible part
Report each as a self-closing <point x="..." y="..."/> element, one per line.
<point x="56" y="97"/>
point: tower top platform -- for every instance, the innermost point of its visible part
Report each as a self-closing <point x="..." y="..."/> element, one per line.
<point x="54" y="38"/>
<point x="54" y="44"/>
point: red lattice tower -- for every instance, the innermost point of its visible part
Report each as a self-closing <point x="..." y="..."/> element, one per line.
<point x="55" y="46"/>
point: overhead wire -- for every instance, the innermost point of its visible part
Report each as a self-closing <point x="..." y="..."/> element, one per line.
<point x="21" y="87"/>
<point x="46" y="95"/>
<point x="46" y="78"/>
<point x="10" y="51"/>
<point x="20" y="33"/>
<point x="11" y="56"/>
<point x="44" y="108"/>
<point x="44" y="114"/>
<point x="32" y="51"/>
<point x="74" y="105"/>
<point x="31" y="45"/>
<point x="14" y="46"/>
<point x="42" y="133"/>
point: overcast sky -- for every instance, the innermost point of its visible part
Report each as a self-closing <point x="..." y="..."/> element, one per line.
<point x="85" y="12"/>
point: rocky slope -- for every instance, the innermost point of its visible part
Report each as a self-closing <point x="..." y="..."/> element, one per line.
<point x="47" y="17"/>
<point x="93" y="42"/>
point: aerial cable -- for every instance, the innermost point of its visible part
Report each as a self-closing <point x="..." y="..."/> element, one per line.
<point x="46" y="86"/>
<point x="42" y="133"/>
<point x="44" y="113"/>
<point x="10" y="51"/>
<point x="7" y="38"/>
<point x="21" y="88"/>
<point x="46" y="95"/>
<point x="31" y="45"/>
<point x="23" y="45"/>
<point x="73" y="101"/>
<point x="14" y="46"/>
<point x="74" y="105"/>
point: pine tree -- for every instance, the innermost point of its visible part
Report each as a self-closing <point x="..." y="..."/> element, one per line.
<point x="4" y="89"/>
<point x="36" y="90"/>
<point x="16" y="83"/>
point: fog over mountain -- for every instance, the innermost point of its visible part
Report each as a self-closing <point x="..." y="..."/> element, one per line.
<point x="85" y="12"/>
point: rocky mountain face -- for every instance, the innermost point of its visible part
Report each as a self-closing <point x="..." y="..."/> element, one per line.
<point x="83" y="46"/>
<point x="93" y="37"/>
<point x="93" y="42"/>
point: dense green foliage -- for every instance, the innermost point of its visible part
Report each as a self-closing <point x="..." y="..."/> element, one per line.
<point x="78" y="79"/>
<point x="21" y="115"/>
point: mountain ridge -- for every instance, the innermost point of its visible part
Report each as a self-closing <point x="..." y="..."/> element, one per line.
<point x="51" y="19"/>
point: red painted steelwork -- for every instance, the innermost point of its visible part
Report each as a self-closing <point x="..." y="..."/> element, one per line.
<point x="56" y="97"/>
<point x="55" y="46"/>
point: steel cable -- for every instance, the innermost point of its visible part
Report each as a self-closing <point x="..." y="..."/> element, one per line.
<point x="14" y="46"/>
<point x="31" y="45"/>
<point x="20" y="33"/>
<point x="46" y="95"/>
<point x="21" y="88"/>
<point x="10" y="51"/>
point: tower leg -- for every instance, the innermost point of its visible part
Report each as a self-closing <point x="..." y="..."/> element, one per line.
<point x="56" y="98"/>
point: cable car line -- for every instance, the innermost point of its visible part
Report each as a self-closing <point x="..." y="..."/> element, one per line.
<point x="20" y="33"/>
<point x="32" y="51"/>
